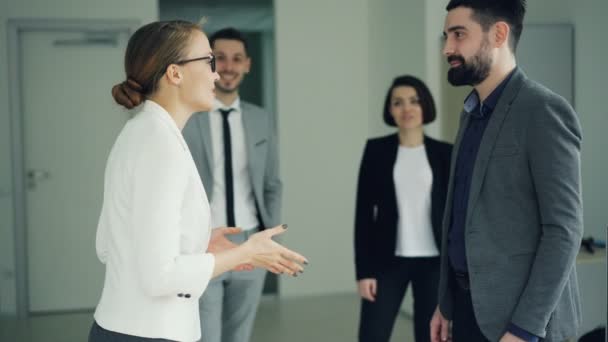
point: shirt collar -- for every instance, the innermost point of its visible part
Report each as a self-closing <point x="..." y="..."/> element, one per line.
<point x="473" y="106"/>
<point x="236" y="105"/>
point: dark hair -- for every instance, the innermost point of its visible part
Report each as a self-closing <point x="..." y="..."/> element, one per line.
<point x="488" y="12"/>
<point x="151" y="49"/>
<point x="229" y="33"/>
<point x="424" y="96"/>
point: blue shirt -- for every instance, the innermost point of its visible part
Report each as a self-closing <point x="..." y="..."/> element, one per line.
<point x="480" y="113"/>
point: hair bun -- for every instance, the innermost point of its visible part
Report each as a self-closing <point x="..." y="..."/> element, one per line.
<point x="128" y="93"/>
<point x="131" y="83"/>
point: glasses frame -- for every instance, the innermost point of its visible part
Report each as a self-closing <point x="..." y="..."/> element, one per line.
<point x="211" y="59"/>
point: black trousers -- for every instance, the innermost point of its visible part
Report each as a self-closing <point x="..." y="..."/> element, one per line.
<point x="464" y="324"/>
<point x="99" y="334"/>
<point x="378" y="318"/>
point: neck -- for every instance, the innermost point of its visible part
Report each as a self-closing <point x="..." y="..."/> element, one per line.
<point x="411" y="137"/>
<point x="226" y="98"/>
<point x="499" y="72"/>
<point x="178" y="112"/>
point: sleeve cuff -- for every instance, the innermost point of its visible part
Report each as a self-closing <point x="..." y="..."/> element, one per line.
<point x="521" y="333"/>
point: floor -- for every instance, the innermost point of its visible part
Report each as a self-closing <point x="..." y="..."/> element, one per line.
<point x="311" y="319"/>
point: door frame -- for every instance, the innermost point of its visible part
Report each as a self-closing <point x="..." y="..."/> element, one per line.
<point x="16" y="27"/>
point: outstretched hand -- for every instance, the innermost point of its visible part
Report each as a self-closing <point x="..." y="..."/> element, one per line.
<point x="219" y="242"/>
<point x="269" y="254"/>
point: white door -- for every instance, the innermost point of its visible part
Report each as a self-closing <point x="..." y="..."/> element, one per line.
<point x="70" y="122"/>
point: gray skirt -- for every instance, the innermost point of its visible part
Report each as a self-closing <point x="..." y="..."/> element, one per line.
<point x="99" y="334"/>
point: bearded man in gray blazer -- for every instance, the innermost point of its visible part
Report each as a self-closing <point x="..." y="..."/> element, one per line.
<point x="513" y="222"/>
<point x="234" y="147"/>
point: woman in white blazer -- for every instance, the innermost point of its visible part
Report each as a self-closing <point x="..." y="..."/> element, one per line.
<point x="154" y="229"/>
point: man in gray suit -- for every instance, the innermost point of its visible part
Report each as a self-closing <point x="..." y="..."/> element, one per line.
<point x="513" y="221"/>
<point x="235" y="150"/>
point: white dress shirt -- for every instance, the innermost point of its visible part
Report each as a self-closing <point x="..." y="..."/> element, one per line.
<point x="413" y="181"/>
<point x="245" y="212"/>
<point x="153" y="232"/>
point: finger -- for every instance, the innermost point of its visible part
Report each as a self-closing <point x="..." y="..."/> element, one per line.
<point x="444" y="330"/>
<point x="291" y="266"/>
<point x="434" y="330"/>
<point x="289" y="254"/>
<point x="373" y="287"/>
<point x="269" y="263"/>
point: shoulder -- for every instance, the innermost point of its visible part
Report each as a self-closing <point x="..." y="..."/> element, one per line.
<point x="252" y="109"/>
<point x="386" y="140"/>
<point x="542" y="107"/>
<point x="538" y="96"/>
<point x="151" y="134"/>
<point x="437" y="145"/>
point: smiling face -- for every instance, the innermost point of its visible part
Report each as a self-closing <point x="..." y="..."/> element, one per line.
<point x="405" y="108"/>
<point x="467" y="48"/>
<point x="232" y="64"/>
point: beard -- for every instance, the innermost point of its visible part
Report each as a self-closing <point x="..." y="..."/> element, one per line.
<point x="474" y="71"/>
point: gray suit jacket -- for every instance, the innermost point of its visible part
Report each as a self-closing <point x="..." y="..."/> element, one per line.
<point x="524" y="222"/>
<point x="262" y="154"/>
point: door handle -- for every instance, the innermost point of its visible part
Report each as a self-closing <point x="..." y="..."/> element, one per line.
<point x="36" y="176"/>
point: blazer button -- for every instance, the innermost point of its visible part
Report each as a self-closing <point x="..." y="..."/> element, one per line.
<point x="180" y="295"/>
<point x="187" y="295"/>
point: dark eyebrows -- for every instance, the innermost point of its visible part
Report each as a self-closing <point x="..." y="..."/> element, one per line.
<point x="454" y="28"/>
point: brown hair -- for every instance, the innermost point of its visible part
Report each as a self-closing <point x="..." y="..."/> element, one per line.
<point x="151" y="49"/>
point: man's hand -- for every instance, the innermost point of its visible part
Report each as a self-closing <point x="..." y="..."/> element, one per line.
<point x="440" y="328"/>
<point x="508" y="337"/>
<point x="218" y="243"/>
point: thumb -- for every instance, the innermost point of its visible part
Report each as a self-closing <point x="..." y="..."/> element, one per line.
<point x="373" y="287"/>
<point x="231" y="230"/>
<point x="280" y="229"/>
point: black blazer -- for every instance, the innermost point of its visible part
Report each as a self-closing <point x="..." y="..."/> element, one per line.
<point x="377" y="214"/>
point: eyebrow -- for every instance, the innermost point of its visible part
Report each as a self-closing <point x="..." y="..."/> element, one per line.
<point x="238" y="54"/>
<point x="414" y="97"/>
<point x="454" y="28"/>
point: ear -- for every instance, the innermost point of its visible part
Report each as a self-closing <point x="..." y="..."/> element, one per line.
<point x="174" y="75"/>
<point x="501" y="36"/>
<point x="247" y="64"/>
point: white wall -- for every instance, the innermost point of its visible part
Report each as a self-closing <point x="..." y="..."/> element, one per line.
<point x="322" y="110"/>
<point x="141" y="10"/>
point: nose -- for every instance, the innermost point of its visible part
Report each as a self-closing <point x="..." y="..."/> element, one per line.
<point x="448" y="48"/>
<point x="216" y="76"/>
<point x="227" y="65"/>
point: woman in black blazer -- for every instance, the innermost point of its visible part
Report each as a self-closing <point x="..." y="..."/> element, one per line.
<point x="400" y="202"/>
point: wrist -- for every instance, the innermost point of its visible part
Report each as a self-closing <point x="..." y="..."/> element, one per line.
<point x="246" y="251"/>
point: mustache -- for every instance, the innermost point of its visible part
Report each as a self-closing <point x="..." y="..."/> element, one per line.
<point x="456" y="58"/>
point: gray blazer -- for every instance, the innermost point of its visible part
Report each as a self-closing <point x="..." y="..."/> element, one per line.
<point x="524" y="222"/>
<point x="262" y="153"/>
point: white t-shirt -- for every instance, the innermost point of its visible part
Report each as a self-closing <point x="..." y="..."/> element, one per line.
<point x="413" y="181"/>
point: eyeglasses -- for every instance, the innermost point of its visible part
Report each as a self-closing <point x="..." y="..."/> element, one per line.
<point x="211" y="59"/>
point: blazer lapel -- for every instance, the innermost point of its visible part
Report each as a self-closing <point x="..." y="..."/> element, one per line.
<point x="490" y="136"/>
<point x="464" y="122"/>
<point x="254" y="135"/>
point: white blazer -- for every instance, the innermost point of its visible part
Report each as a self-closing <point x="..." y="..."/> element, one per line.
<point x="153" y="232"/>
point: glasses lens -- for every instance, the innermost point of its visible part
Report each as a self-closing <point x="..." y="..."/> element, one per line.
<point x="212" y="62"/>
